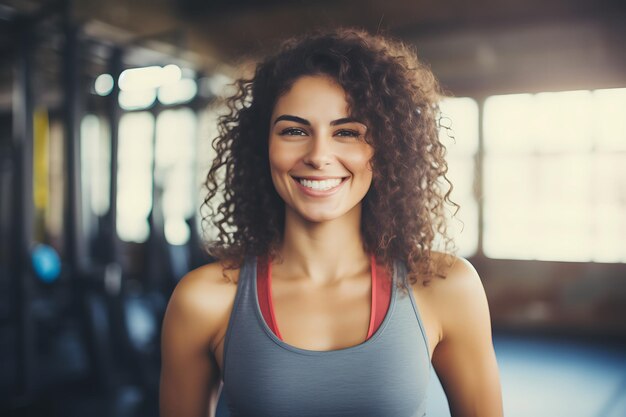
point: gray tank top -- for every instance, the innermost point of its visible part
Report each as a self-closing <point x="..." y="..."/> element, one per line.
<point x="386" y="375"/>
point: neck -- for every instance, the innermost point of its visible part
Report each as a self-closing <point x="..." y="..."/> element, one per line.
<point x="323" y="252"/>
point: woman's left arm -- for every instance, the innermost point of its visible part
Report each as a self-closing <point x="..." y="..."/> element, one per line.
<point x="464" y="358"/>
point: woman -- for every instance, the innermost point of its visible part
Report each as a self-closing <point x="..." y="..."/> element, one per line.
<point x="328" y="298"/>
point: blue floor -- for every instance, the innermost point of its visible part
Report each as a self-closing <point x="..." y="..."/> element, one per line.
<point x="548" y="377"/>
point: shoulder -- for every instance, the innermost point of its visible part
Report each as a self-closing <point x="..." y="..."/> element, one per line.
<point x="460" y="279"/>
<point x="202" y="300"/>
<point x="464" y="357"/>
<point x="204" y="284"/>
<point x="457" y="300"/>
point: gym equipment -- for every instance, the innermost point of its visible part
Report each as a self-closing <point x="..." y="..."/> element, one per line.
<point x="46" y="263"/>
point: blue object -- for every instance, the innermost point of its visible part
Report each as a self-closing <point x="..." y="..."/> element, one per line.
<point x="46" y="263"/>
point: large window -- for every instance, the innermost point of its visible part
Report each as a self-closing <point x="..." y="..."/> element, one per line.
<point x="555" y="176"/>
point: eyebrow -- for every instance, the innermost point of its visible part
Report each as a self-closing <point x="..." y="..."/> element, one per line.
<point x="307" y="123"/>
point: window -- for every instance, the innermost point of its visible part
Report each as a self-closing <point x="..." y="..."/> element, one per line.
<point x="174" y="171"/>
<point x="555" y="176"/>
<point x="134" y="194"/>
<point x="96" y="162"/>
<point x="95" y="148"/>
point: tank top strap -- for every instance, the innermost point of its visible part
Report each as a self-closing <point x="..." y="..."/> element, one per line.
<point x="241" y="303"/>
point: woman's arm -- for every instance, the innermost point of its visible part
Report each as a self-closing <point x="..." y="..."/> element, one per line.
<point x="464" y="359"/>
<point x="189" y="373"/>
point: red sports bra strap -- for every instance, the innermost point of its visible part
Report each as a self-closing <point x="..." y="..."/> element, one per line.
<point x="381" y="295"/>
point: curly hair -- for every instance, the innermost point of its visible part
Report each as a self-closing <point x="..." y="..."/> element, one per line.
<point x="395" y="95"/>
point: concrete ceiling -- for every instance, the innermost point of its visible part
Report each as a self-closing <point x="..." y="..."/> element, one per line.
<point x="473" y="47"/>
<point x="227" y="30"/>
<point x="470" y="45"/>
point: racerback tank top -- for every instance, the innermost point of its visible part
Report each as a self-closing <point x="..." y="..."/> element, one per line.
<point x="386" y="375"/>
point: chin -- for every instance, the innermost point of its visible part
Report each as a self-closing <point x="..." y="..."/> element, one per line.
<point x="327" y="215"/>
<point x="319" y="217"/>
<point x="312" y="214"/>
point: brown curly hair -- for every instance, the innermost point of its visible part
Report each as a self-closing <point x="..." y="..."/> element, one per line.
<point x="387" y="88"/>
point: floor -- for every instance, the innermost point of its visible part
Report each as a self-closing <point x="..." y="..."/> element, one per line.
<point x="552" y="377"/>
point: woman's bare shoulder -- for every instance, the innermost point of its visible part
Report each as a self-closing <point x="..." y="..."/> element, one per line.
<point x="459" y="297"/>
<point x="458" y="279"/>
<point x="213" y="277"/>
<point x="203" y="298"/>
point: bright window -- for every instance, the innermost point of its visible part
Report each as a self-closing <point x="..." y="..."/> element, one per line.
<point x="95" y="148"/>
<point x="96" y="164"/>
<point x="174" y="171"/>
<point x="555" y="176"/>
<point x="134" y="193"/>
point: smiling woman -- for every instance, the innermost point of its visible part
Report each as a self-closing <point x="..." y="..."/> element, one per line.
<point x="328" y="298"/>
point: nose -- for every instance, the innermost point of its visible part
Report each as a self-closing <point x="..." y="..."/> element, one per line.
<point x="320" y="152"/>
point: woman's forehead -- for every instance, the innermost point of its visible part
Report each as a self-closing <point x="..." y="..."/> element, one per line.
<point x="313" y="97"/>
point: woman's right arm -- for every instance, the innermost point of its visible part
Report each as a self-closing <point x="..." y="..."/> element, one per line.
<point x="189" y="373"/>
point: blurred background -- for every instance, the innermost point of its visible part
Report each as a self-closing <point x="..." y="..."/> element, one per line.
<point x="107" y="109"/>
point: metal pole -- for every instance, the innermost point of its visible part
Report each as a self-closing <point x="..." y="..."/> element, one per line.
<point x="114" y="114"/>
<point x="23" y="213"/>
<point x="74" y="240"/>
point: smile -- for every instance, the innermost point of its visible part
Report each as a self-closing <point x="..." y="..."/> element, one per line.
<point x="318" y="186"/>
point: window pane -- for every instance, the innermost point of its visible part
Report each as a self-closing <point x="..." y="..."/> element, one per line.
<point x="181" y="91"/>
<point x="610" y="229"/>
<point x="610" y="118"/>
<point x="135" y="176"/>
<point x="545" y="122"/>
<point x="563" y="121"/>
<point x="508" y="123"/>
<point x="96" y="163"/>
<point x="610" y="179"/>
<point x="461" y="115"/>
<point x="609" y="192"/>
<point x="507" y="178"/>
<point x="175" y="143"/>
<point x="137" y="100"/>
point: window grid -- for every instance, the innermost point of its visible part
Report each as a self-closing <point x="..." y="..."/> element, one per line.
<point x="555" y="176"/>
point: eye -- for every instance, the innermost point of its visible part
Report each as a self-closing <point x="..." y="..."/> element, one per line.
<point x="348" y="133"/>
<point x="292" y="131"/>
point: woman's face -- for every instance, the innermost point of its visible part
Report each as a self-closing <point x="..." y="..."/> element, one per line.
<point x="319" y="160"/>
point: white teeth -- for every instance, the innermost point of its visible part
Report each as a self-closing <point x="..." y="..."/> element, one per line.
<point x="320" y="185"/>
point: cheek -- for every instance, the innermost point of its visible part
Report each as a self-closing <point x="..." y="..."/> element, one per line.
<point x="276" y="156"/>
<point x="281" y="160"/>
<point x="361" y="161"/>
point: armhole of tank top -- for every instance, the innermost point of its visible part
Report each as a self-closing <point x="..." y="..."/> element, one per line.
<point x="233" y="314"/>
<point x="405" y="281"/>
